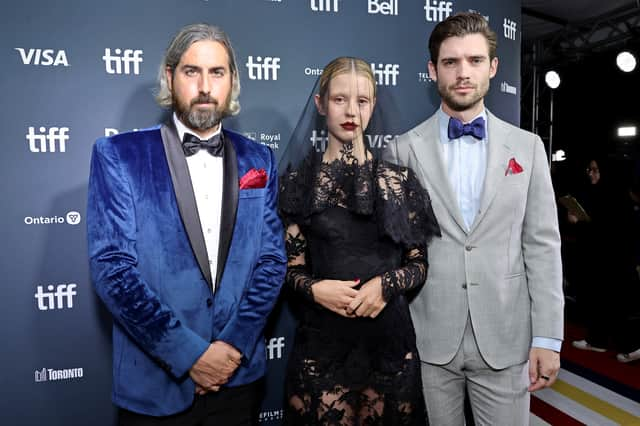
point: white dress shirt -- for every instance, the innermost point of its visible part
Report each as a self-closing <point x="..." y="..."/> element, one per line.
<point x="205" y="171"/>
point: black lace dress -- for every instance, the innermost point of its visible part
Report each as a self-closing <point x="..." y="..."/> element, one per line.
<point x="348" y="221"/>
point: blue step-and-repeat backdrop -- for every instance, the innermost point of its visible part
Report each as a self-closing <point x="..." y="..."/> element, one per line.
<point x="75" y="70"/>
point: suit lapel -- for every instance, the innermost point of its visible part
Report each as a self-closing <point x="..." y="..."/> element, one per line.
<point x="184" y="194"/>
<point x="499" y="153"/>
<point x="229" y="203"/>
<point x="426" y="145"/>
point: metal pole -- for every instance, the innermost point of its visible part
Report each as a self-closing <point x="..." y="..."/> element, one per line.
<point x="534" y="98"/>
<point x="551" y="129"/>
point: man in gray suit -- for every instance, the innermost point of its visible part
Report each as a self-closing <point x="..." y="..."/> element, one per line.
<point x="490" y="317"/>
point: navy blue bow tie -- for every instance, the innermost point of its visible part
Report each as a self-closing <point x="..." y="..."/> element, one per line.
<point x="191" y="144"/>
<point x="457" y="129"/>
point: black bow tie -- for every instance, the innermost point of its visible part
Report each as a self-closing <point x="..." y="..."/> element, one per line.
<point x="192" y="144"/>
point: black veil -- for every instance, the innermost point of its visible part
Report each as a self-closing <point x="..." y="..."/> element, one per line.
<point x="395" y="191"/>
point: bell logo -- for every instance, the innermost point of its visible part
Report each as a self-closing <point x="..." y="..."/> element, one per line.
<point x="510" y="28"/>
<point x="55" y="296"/>
<point x="386" y="74"/>
<point x="53" y="139"/>
<point x="324" y="5"/>
<point x="275" y="347"/>
<point x="122" y="61"/>
<point x="383" y="7"/>
<point x="44" y="57"/>
<point x="437" y="11"/>
<point x="263" y="68"/>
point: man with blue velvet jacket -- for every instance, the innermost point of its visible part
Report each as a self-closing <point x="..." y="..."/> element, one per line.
<point x="186" y="248"/>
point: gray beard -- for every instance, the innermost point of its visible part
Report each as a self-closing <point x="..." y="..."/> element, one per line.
<point x="200" y="120"/>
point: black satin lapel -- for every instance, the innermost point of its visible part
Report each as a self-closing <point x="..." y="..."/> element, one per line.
<point x="229" y="203"/>
<point x="185" y="196"/>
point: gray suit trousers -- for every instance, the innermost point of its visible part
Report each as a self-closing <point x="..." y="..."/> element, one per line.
<point x="497" y="397"/>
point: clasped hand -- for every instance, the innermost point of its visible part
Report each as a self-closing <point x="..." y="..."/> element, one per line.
<point x="215" y="367"/>
<point x="340" y="297"/>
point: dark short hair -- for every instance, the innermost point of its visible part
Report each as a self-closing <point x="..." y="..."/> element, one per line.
<point x="460" y="25"/>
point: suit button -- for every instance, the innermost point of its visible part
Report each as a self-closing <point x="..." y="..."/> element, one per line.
<point x="468" y="248"/>
<point x="209" y="302"/>
<point x="464" y="285"/>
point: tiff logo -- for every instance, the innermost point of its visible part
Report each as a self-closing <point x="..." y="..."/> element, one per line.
<point x="437" y="11"/>
<point x="275" y="347"/>
<point x="263" y="68"/>
<point x="510" y="29"/>
<point x="122" y="61"/>
<point x="384" y="7"/>
<point x="507" y="88"/>
<point x="45" y="57"/>
<point x="52" y="140"/>
<point x="55" y="296"/>
<point x="386" y="74"/>
<point x="324" y="5"/>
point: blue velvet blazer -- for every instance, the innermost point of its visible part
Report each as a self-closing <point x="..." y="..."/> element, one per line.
<point x="149" y="264"/>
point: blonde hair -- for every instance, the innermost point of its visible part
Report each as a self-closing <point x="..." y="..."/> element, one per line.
<point x="343" y="65"/>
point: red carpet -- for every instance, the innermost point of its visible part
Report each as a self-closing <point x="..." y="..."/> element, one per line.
<point x="604" y="364"/>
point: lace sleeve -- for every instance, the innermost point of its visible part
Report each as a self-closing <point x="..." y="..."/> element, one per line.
<point x="411" y="275"/>
<point x="298" y="277"/>
<point x="404" y="208"/>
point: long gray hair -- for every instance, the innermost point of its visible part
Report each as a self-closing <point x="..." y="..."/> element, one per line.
<point x="180" y="44"/>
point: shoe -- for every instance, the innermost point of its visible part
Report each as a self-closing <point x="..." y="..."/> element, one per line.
<point x="631" y="356"/>
<point x="585" y="346"/>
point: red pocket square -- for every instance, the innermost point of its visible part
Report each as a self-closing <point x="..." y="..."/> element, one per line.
<point x="254" y="179"/>
<point x="513" y="168"/>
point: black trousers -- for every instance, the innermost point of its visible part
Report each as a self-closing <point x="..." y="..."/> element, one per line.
<point x="229" y="407"/>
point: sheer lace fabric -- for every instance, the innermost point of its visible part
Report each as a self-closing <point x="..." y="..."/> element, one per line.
<point x="347" y="220"/>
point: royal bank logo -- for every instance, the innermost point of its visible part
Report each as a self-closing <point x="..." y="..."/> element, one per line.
<point x="382" y="7"/>
<point x="507" y="88"/>
<point x="324" y="5"/>
<point x="272" y="140"/>
<point x="275" y="348"/>
<point x="52" y="139"/>
<point x="263" y="68"/>
<point x="50" y="374"/>
<point x="270" y="415"/>
<point x="43" y="57"/>
<point x="122" y="61"/>
<point x="510" y="29"/>
<point x="71" y="218"/>
<point x="55" y="296"/>
<point x="386" y="74"/>
<point x="437" y="11"/>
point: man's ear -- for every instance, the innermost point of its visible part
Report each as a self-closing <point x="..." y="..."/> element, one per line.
<point x="319" y="106"/>
<point x="433" y="73"/>
<point x="169" y="75"/>
<point x="493" y="67"/>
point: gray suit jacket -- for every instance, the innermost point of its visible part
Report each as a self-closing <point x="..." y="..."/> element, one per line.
<point x="506" y="270"/>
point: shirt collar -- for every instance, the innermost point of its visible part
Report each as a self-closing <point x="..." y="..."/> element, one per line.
<point x="182" y="129"/>
<point x="443" y="122"/>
